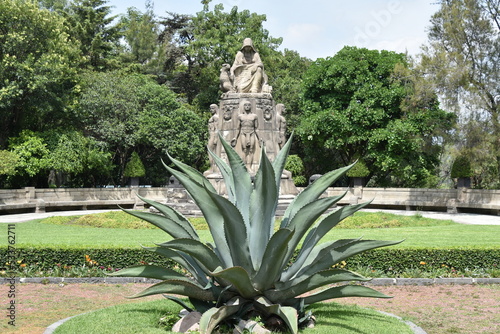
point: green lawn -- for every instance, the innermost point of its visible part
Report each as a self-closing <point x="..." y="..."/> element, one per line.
<point x="417" y="232"/>
<point x="142" y="317"/>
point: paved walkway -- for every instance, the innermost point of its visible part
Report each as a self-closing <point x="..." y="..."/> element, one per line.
<point x="463" y="218"/>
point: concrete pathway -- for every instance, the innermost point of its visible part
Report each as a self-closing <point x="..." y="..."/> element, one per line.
<point x="463" y="218"/>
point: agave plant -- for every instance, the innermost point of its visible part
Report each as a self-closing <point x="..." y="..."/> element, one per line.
<point x="250" y="268"/>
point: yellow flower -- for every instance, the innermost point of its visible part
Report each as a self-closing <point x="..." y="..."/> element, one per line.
<point x="19" y="261"/>
<point x="422" y="262"/>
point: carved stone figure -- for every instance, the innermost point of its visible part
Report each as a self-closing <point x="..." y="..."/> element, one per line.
<point x="281" y="123"/>
<point x="212" y="127"/>
<point x="228" y="113"/>
<point x="226" y="82"/>
<point x="248" y="131"/>
<point x="248" y="70"/>
<point x="268" y="115"/>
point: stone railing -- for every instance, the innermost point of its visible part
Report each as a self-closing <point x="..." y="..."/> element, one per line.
<point x="449" y="200"/>
<point x="40" y="200"/>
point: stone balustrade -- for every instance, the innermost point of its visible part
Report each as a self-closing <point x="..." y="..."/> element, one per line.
<point x="40" y="200"/>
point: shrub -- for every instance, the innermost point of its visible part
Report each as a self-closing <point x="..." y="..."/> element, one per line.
<point x="387" y="260"/>
<point x="135" y="167"/>
<point x="359" y="170"/>
<point x="461" y="167"/>
<point x="295" y="165"/>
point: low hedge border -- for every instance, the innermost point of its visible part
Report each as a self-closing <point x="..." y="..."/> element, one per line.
<point x="395" y="260"/>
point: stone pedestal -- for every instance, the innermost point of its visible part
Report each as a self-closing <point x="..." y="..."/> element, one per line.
<point x="264" y="107"/>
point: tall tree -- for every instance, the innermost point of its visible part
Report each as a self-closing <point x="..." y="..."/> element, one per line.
<point x="211" y="39"/>
<point x="132" y="112"/>
<point x="462" y="58"/>
<point x="90" y="23"/>
<point x="37" y="69"/>
<point x="363" y="104"/>
<point x="141" y="32"/>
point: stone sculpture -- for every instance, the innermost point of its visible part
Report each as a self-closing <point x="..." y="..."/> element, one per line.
<point x="248" y="70"/>
<point x="247" y="116"/>
<point x="249" y="133"/>
<point x="281" y="120"/>
<point x="213" y="127"/>
<point x="226" y="82"/>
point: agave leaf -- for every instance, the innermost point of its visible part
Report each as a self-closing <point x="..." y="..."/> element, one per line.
<point x="303" y="220"/>
<point x="172" y="227"/>
<point x="196" y="249"/>
<point x="185" y="260"/>
<point x="212" y="317"/>
<point x="241" y="180"/>
<point x="192" y="173"/>
<point x="276" y="250"/>
<point x="227" y="174"/>
<point x="173" y="215"/>
<point x="343" y="291"/>
<point x="149" y="271"/>
<point x="312" y="192"/>
<point x="240" y="280"/>
<point x="236" y="232"/>
<point x="280" y="161"/>
<point x="178" y="287"/>
<point x="318" y="232"/>
<point x="263" y="203"/>
<point x="202" y="196"/>
<point x="335" y="254"/>
<point x="288" y="314"/>
<point x="180" y="302"/>
<point x="322" y="278"/>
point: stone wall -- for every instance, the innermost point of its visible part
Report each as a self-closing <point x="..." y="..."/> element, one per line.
<point x="39" y="200"/>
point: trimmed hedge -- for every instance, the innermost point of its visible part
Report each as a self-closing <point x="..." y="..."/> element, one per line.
<point x="395" y="260"/>
<point x="106" y="257"/>
<point x="398" y="260"/>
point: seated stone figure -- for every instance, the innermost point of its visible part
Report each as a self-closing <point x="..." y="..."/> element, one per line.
<point x="248" y="70"/>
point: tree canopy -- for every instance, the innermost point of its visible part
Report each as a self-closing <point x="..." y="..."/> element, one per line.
<point x="37" y="69"/>
<point x="461" y="59"/>
<point x="356" y="105"/>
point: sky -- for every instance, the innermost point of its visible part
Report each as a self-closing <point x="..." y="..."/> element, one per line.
<point x="320" y="28"/>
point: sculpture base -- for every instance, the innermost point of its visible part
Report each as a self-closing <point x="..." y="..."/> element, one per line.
<point x="287" y="187"/>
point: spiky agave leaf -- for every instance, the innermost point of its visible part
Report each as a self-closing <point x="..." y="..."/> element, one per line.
<point x="248" y="262"/>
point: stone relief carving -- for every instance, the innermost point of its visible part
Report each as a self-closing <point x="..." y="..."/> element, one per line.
<point x="248" y="133"/>
<point x="281" y="120"/>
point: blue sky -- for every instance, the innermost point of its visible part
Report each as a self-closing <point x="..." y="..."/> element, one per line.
<point x="320" y="28"/>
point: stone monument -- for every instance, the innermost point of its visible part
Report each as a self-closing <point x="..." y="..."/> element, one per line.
<point x="247" y="117"/>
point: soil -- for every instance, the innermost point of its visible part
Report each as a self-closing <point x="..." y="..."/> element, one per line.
<point x="438" y="309"/>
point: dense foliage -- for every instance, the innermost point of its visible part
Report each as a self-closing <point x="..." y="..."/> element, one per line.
<point x="461" y="59"/>
<point x="54" y="52"/>
<point x="365" y="104"/>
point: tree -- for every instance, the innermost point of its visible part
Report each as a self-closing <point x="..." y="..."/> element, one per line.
<point x="208" y="40"/>
<point x="76" y="160"/>
<point x="141" y="32"/>
<point x="89" y="22"/>
<point x="367" y="104"/>
<point x="37" y="69"/>
<point x="33" y="160"/>
<point x="132" y="112"/>
<point x="462" y="58"/>
<point x="135" y="167"/>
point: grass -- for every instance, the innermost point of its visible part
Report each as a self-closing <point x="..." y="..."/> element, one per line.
<point x="122" y="230"/>
<point x="144" y="318"/>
